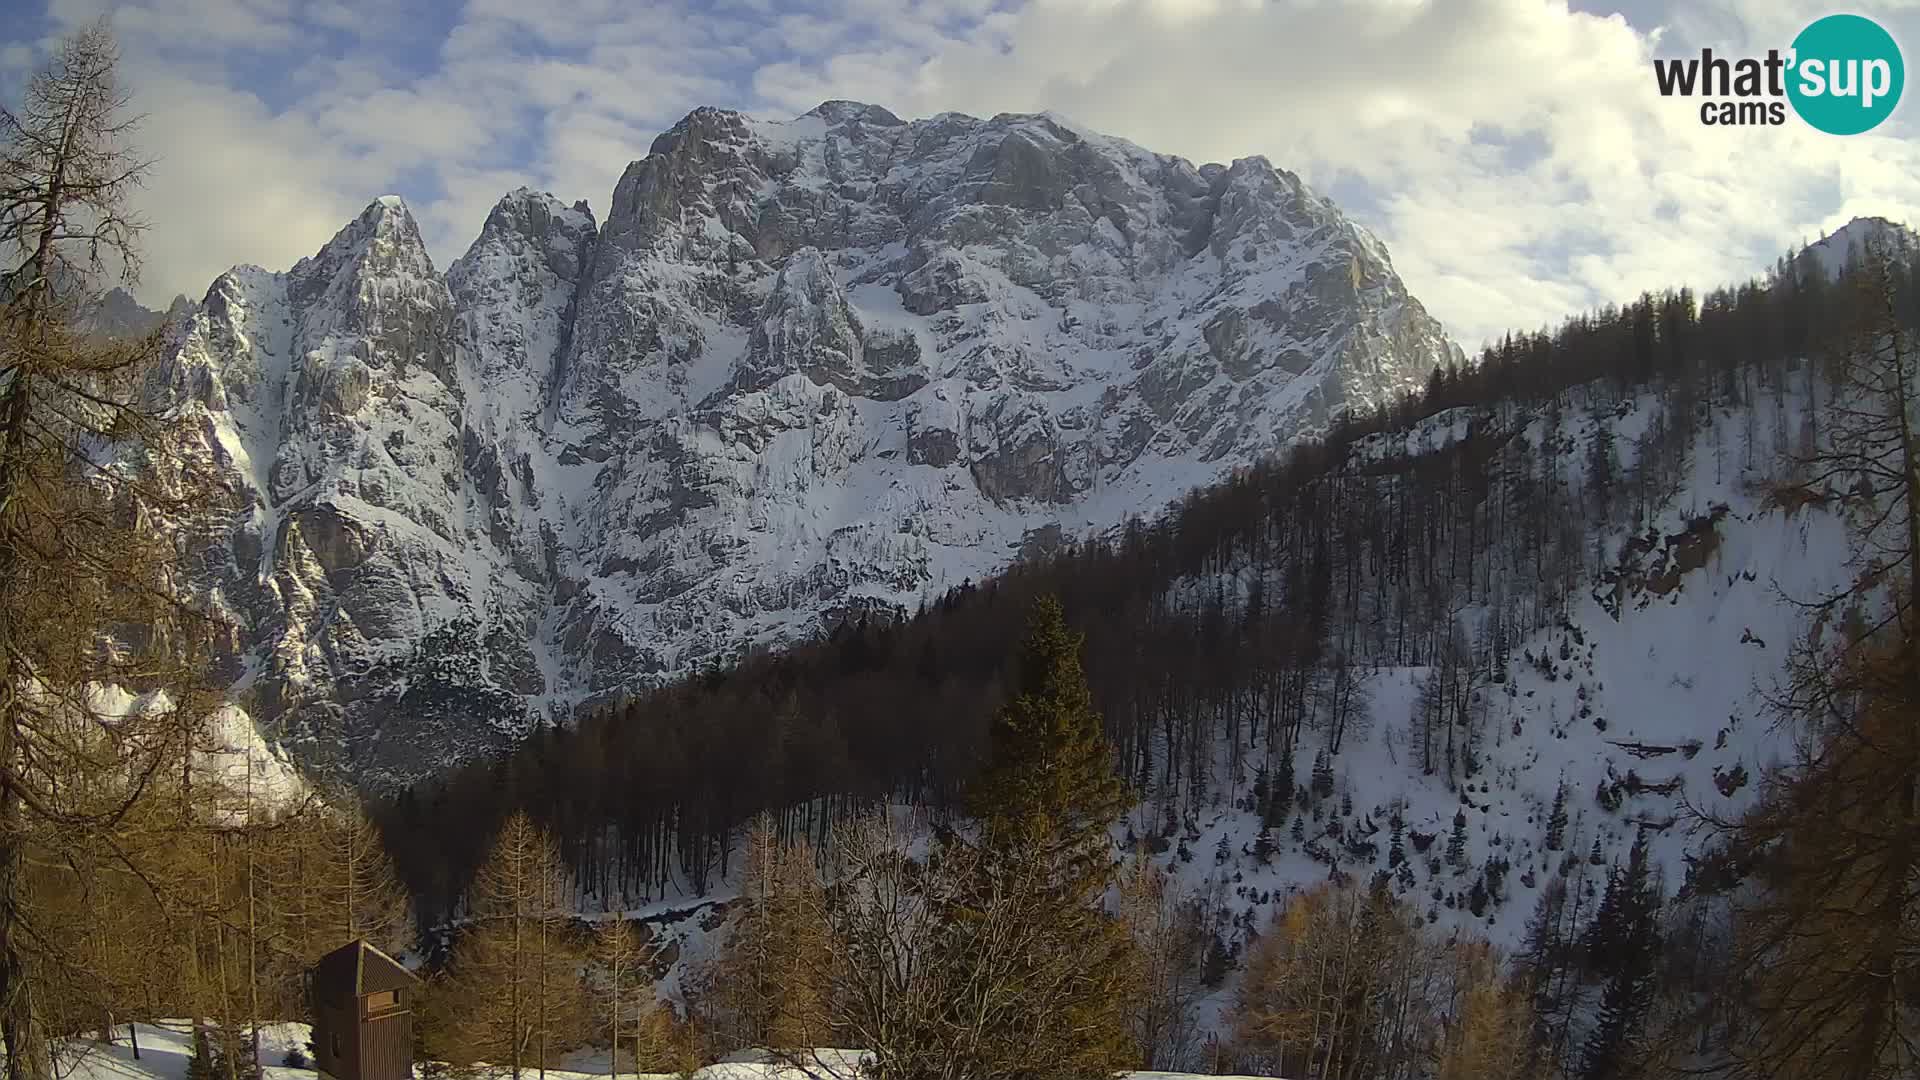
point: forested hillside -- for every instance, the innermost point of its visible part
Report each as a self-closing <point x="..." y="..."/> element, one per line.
<point x="1240" y="629"/>
<point x="1505" y="649"/>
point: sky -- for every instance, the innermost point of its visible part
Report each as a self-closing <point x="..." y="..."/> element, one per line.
<point x="1514" y="155"/>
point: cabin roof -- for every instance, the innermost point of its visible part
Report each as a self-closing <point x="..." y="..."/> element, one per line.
<point x="358" y="968"/>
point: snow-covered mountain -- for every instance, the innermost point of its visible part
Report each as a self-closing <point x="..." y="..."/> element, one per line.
<point x="1831" y="253"/>
<point x="803" y="368"/>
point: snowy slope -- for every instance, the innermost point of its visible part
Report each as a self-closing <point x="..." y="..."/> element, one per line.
<point x="803" y="369"/>
<point x="1832" y="252"/>
<point x="1656" y="702"/>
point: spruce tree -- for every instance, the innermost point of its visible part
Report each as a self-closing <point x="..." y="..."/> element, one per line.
<point x="1624" y="943"/>
<point x="1275" y="814"/>
<point x="1322" y="775"/>
<point x="1049" y="787"/>
<point x="1045" y="802"/>
<point x="1557" y="819"/>
<point x="1603" y="461"/>
<point x="1544" y="944"/>
<point x="1457" y="841"/>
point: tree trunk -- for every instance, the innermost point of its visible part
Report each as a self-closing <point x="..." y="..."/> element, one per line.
<point x="27" y="1055"/>
<point x="613" y="1057"/>
<point x="253" y="953"/>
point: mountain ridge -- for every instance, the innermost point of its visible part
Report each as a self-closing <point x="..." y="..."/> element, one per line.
<point x="802" y="369"/>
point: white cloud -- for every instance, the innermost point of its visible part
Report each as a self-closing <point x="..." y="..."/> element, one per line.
<point x="1513" y="153"/>
<point x="1392" y="101"/>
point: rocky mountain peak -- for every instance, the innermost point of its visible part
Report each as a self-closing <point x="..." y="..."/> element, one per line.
<point x="372" y="291"/>
<point x="383" y="240"/>
<point x="803" y="368"/>
<point x="839" y="112"/>
<point x="533" y="222"/>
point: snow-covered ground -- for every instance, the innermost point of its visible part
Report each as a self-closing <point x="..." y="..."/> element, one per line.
<point x="165" y="1048"/>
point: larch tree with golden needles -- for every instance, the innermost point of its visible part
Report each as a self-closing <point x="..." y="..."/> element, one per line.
<point x="1323" y="989"/>
<point x="513" y="995"/>
<point x="1489" y="1034"/>
<point x="616" y="956"/>
<point x="89" y="601"/>
<point x="353" y="888"/>
<point x="770" y="985"/>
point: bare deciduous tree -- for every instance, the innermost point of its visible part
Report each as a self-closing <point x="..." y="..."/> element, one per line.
<point x="1169" y="946"/>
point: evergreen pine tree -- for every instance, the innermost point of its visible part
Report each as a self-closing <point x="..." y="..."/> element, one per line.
<point x="1283" y="791"/>
<point x="1274" y="811"/>
<point x="1049" y="788"/>
<point x="1557" y="819"/>
<point x="1218" y="962"/>
<point x="1045" y="802"/>
<point x="1457" y="841"/>
<point x="1396" y="842"/>
<point x="1629" y="948"/>
<point x="1543" y="945"/>
<point x="1322" y="775"/>
<point x="1602" y="460"/>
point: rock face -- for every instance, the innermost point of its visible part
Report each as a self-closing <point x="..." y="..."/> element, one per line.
<point x="803" y="368"/>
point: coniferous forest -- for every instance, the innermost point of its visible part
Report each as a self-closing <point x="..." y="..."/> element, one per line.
<point x="944" y="839"/>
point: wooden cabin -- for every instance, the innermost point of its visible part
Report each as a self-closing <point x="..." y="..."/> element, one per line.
<point x="362" y="1003"/>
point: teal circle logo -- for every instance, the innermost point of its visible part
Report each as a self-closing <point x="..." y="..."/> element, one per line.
<point x="1846" y="74"/>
